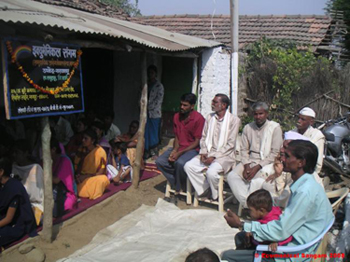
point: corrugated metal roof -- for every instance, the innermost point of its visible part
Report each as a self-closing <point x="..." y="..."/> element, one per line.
<point x="26" y="11"/>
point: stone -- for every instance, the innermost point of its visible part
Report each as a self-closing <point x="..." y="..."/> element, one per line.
<point x="24" y="249"/>
<point x="36" y="255"/>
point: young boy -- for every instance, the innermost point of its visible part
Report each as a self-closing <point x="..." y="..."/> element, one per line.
<point x="261" y="210"/>
<point x="122" y="163"/>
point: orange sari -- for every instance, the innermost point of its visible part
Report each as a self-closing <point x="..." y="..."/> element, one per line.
<point x="92" y="163"/>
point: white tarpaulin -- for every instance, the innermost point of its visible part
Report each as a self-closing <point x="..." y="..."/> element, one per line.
<point x="162" y="233"/>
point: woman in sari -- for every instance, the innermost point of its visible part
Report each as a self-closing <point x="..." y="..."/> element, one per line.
<point x="16" y="214"/>
<point x="63" y="180"/>
<point x="31" y="176"/>
<point x="101" y="140"/>
<point x="90" y="166"/>
<point x="75" y="141"/>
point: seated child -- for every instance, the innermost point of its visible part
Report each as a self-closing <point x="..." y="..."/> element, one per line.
<point x="122" y="163"/>
<point x="202" y="255"/>
<point x="261" y="210"/>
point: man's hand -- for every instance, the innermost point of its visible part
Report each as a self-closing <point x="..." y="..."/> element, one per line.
<point x="246" y="171"/>
<point x="248" y="236"/>
<point x="271" y="178"/>
<point x="209" y="160"/>
<point x="252" y="172"/>
<point x="204" y="158"/>
<point x="232" y="219"/>
<point x="174" y="156"/>
<point x="278" y="166"/>
<point x="273" y="247"/>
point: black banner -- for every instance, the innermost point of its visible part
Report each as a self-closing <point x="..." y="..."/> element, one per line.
<point x="42" y="78"/>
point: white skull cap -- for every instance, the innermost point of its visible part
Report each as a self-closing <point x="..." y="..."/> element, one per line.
<point x="307" y="111"/>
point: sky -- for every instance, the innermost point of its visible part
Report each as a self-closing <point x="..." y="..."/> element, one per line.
<point x="246" y="7"/>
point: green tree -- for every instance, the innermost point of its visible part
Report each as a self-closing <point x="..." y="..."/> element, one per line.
<point x="278" y="72"/>
<point x="344" y="7"/>
<point x="129" y="8"/>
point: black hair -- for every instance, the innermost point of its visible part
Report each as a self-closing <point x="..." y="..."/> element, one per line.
<point x="307" y="150"/>
<point x="224" y="99"/>
<point x="98" y="124"/>
<point x="23" y="145"/>
<point x="92" y="134"/>
<point x="6" y="165"/>
<point x="153" y="67"/>
<point x="189" y="97"/>
<point x="120" y="145"/>
<point x="203" y="255"/>
<point x="109" y="114"/>
<point x="260" y="199"/>
<point x="84" y="121"/>
<point x="135" y="122"/>
<point x="55" y="144"/>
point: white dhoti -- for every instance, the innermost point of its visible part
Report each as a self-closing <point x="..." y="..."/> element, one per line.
<point x="202" y="177"/>
<point x="242" y="188"/>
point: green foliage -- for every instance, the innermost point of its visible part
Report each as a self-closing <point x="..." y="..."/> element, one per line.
<point x="288" y="69"/>
<point x="125" y="5"/>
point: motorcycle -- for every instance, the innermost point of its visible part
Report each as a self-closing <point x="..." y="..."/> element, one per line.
<point x="337" y="147"/>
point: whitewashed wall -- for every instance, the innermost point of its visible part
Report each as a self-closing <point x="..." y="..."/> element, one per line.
<point x="215" y="77"/>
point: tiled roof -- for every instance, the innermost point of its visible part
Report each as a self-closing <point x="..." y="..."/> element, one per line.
<point x="92" y="6"/>
<point x="304" y="30"/>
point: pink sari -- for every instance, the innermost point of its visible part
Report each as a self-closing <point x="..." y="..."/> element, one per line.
<point x="63" y="169"/>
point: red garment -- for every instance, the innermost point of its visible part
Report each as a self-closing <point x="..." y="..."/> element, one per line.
<point x="274" y="214"/>
<point x="189" y="129"/>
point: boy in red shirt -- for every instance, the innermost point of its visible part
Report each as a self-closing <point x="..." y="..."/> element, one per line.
<point x="261" y="210"/>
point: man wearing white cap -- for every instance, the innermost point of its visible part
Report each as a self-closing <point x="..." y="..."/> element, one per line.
<point x="306" y="119"/>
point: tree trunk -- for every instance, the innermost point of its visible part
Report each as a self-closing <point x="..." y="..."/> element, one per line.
<point x="47" y="164"/>
<point x="143" y="120"/>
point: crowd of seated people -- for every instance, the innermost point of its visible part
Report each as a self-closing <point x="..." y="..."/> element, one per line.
<point x="80" y="156"/>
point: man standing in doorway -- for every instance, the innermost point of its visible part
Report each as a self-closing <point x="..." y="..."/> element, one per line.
<point x="217" y="153"/>
<point x="188" y="127"/>
<point x="154" y="111"/>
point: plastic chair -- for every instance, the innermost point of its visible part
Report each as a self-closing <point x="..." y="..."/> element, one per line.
<point x="341" y="193"/>
<point x="293" y="249"/>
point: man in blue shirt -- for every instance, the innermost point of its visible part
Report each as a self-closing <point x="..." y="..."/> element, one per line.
<point x="306" y="216"/>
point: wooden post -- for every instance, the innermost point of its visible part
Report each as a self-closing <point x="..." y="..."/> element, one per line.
<point x="143" y="120"/>
<point x="48" y="197"/>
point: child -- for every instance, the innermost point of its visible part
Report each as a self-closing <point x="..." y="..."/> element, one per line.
<point x="202" y="255"/>
<point x="122" y="163"/>
<point x="261" y="210"/>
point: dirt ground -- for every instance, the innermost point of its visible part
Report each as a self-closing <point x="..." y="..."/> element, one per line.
<point x="79" y="231"/>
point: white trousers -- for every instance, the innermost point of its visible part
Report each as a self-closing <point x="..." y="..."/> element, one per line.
<point x="242" y="188"/>
<point x="202" y="177"/>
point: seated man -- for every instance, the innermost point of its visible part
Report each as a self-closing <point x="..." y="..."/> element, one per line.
<point x="280" y="180"/>
<point x="260" y="143"/>
<point x="307" y="214"/>
<point x="306" y="119"/>
<point x="188" y="127"/>
<point x="217" y="153"/>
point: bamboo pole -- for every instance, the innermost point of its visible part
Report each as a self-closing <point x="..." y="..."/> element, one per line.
<point x="47" y="164"/>
<point x="143" y="120"/>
